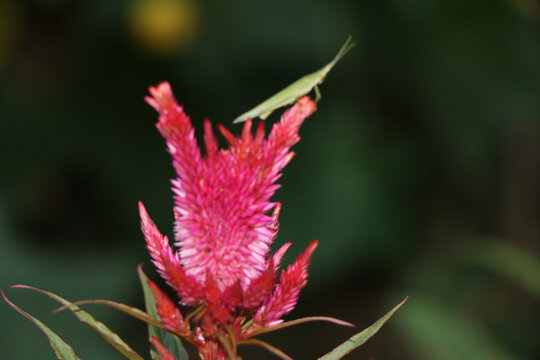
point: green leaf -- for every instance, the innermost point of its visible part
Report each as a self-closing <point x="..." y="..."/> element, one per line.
<point x="507" y="259"/>
<point x="61" y="349"/>
<point x="130" y="310"/>
<point x="97" y="326"/>
<point x="360" y="338"/>
<point x="170" y="341"/>
<point x="438" y="331"/>
<point x="300" y="321"/>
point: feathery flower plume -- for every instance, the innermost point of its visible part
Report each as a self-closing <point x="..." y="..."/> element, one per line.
<point x="225" y="223"/>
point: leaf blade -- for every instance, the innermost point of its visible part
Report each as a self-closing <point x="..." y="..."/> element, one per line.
<point x="441" y="331"/>
<point x="106" y="333"/>
<point x="62" y="350"/>
<point x="360" y="338"/>
<point x="507" y="259"/>
<point x="170" y="341"/>
<point x="130" y="310"/>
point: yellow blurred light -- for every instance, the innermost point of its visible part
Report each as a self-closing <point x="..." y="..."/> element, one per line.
<point x="162" y="27"/>
<point x="10" y="24"/>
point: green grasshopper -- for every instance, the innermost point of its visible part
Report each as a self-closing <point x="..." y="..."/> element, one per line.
<point x="297" y="89"/>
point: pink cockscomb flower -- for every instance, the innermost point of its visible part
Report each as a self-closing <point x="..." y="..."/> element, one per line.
<point x="225" y="223"/>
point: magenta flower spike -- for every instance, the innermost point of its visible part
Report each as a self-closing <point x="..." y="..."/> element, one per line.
<point x="225" y="223"/>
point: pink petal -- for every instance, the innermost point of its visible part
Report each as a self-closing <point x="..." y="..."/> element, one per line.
<point x="285" y="296"/>
<point x="168" y="312"/>
<point x="222" y="201"/>
<point x="166" y="262"/>
<point x="164" y="354"/>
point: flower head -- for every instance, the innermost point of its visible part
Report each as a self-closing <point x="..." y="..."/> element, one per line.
<point x="225" y="223"/>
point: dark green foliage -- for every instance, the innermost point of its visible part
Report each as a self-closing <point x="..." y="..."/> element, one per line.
<point x="427" y="141"/>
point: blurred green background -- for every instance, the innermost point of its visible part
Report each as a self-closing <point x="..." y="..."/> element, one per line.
<point x="419" y="174"/>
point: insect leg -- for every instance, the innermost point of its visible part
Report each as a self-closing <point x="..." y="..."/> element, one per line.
<point x="317" y="94"/>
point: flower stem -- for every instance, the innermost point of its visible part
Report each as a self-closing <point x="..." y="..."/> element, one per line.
<point x="267" y="346"/>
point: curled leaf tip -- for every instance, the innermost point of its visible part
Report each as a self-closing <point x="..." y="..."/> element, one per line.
<point x="404" y="300"/>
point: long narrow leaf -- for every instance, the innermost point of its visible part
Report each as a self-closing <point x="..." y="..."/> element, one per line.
<point x="301" y="321"/>
<point x="130" y="310"/>
<point x="274" y="350"/>
<point x="97" y="326"/>
<point x="62" y="350"/>
<point x="360" y="338"/>
<point x="507" y="259"/>
<point x="438" y="331"/>
<point x="170" y="341"/>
